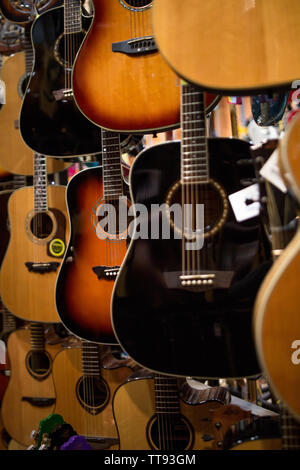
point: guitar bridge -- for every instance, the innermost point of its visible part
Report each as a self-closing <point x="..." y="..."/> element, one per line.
<point x="144" y="45"/>
<point x="106" y="272"/>
<point x="64" y="93"/>
<point x="42" y="267"/>
<point x="199" y="282"/>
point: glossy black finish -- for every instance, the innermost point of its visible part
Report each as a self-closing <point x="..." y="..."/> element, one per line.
<point x="50" y="127"/>
<point x="181" y="332"/>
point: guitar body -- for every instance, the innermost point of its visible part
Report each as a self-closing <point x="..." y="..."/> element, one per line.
<point x="71" y="402"/>
<point x="20" y="416"/>
<point x="26" y="293"/>
<point x="15" y="156"/>
<point x="83" y="300"/>
<point x="276" y="320"/>
<point x="206" y="43"/>
<point x="107" y="83"/>
<point x="134" y="410"/>
<point x="175" y="330"/>
<point x="18" y="12"/>
<point x="48" y="126"/>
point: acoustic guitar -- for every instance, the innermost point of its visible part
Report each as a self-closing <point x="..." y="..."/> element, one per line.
<point x="30" y="394"/>
<point x="50" y="122"/>
<point x="93" y="256"/>
<point x="85" y="379"/>
<point x="229" y="48"/>
<point x="39" y="232"/>
<point x="15" y="156"/>
<point x="157" y="412"/>
<point x="196" y="301"/>
<point x="276" y="320"/>
<point x="120" y="81"/>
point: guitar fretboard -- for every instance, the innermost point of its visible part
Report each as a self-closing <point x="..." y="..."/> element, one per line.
<point x="111" y="161"/>
<point x="90" y="359"/>
<point x="28" y="53"/>
<point x="194" y="157"/>
<point x="166" y="395"/>
<point x="72" y="16"/>
<point x="40" y="183"/>
<point x="37" y="337"/>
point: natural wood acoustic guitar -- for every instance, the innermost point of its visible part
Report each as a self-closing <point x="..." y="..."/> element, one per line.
<point x="158" y="412"/>
<point x="230" y="47"/>
<point x="276" y="319"/>
<point x="30" y="394"/>
<point x="85" y="379"/>
<point x="39" y="233"/>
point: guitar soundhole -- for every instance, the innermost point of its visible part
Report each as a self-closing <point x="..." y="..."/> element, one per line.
<point x="211" y="195"/>
<point x="38" y="364"/>
<point x="170" y="432"/>
<point x="92" y="393"/>
<point x="66" y="47"/>
<point x="136" y="4"/>
<point x="110" y="219"/>
<point x="41" y="225"/>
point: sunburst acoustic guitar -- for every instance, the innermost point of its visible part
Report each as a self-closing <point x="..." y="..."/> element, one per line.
<point x="276" y="321"/>
<point x="93" y="257"/>
<point x="39" y="233"/>
<point x="199" y="41"/>
<point x="119" y="65"/>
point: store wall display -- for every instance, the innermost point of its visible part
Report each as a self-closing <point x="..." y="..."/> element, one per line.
<point x="30" y="394"/>
<point x="120" y="80"/>
<point x="276" y="319"/>
<point x="39" y="233"/>
<point x="194" y="302"/>
<point x="199" y="41"/>
<point x="93" y="256"/>
<point x="137" y="256"/>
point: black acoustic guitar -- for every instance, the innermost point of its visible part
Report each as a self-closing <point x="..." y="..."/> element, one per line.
<point x="50" y="122"/>
<point x="183" y="311"/>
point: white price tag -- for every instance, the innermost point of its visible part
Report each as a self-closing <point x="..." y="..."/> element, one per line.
<point x="2" y="92"/>
<point x="2" y="352"/>
<point x="238" y="201"/>
<point x="270" y="172"/>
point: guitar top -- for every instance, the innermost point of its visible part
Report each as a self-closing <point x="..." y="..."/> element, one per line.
<point x="233" y="48"/>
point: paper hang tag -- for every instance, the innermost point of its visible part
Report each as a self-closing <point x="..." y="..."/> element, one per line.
<point x="270" y="172"/>
<point x="241" y="204"/>
<point x="2" y="352"/>
<point x="2" y="92"/>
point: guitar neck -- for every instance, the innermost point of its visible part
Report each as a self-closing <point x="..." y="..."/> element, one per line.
<point x="28" y="52"/>
<point x="90" y="359"/>
<point x="194" y="154"/>
<point x="40" y="183"/>
<point x="72" y="16"/>
<point x="37" y="337"/>
<point x="166" y="396"/>
<point x="111" y="161"/>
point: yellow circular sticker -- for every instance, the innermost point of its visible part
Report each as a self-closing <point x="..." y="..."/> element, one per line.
<point x="56" y="247"/>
